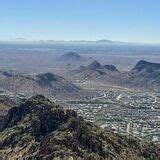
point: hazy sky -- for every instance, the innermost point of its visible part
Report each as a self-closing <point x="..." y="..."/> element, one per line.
<point x="123" y="20"/>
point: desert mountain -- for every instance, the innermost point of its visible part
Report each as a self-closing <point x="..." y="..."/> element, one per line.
<point x="48" y="84"/>
<point x="144" y="75"/>
<point x="74" y="58"/>
<point x="95" y="72"/>
<point x="70" y="56"/>
<point x="40" y="129"/>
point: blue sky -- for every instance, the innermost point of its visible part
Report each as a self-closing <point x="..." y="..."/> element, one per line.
<point x="122" y="20"/>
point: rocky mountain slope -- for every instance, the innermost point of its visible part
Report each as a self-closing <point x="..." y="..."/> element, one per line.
<point x="48" y="84"/>
<point x="39" y="128"/>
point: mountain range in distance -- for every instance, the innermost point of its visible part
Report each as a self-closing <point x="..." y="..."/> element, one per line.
<point x="40" y="129"/>
<point x="100" y="41"/>
<point x="145" y="75"/>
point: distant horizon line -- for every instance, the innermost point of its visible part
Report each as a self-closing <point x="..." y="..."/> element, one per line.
<point x="105" y="41"/>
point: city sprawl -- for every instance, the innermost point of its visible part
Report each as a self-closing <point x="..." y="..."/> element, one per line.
<point x="122" y="110"/>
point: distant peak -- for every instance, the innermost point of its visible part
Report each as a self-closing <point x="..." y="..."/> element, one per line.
<point x="104" y="41"/>
<point x="71" y="54"/>
<point x="95" y="65"/>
